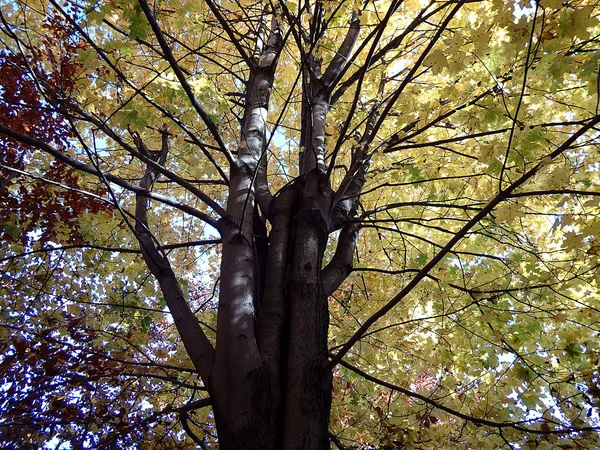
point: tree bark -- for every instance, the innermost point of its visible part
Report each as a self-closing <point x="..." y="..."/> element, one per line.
<point x="273" y="392"/>
<point x="270" y="387"/>
<point x="308" y="386"/>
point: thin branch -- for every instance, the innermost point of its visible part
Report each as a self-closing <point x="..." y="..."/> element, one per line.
<point x="393" y="44"/>
<point x="102" y="54"/>
<point x="108" y="176"/>
<point x="417" y="64"/>
<point x="500" y="197"/>
<point x="159" y="167"/>
<point x="555" y="192"/>
<point x="515" y="425"/>
<point x="111" y="249"/>
<point x="230" y="32"/>
<point x="55" y="183"/>
<point x="521" y="96"/>
<point x="183" y="81"/>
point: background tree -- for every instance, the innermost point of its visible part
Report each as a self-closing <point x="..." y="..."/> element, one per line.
<point x="265" y="225"/>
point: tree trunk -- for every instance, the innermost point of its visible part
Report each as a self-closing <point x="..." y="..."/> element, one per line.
<point x="276" y="395"/>
<point x="308" y="387"/>
<point x="270" y="385"/>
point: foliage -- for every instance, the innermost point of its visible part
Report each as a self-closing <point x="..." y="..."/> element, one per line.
<point x="470" y="317"/>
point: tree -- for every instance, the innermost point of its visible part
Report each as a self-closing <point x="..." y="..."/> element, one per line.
<point x="290" y="225"/>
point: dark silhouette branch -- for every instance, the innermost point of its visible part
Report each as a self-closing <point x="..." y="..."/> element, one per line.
<point x="111" y="249"/>
<point x="139" y="91"/>
<point x="198" y="347"/>
<point x="495" y="201"/>
<point x="108" y="176"/>
<point x="514" y="425"/>
<point x="168" y="54"/>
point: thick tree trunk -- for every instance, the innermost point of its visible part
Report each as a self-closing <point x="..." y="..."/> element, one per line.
<point x="308" y="387"/>
<point x="270" y="385"/>
<point x="277" y="395"/>
<point x="239" y="382"/>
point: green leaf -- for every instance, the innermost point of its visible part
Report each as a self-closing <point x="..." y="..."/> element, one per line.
<point x="138" y="24"/>
<point x="145" y="324"/>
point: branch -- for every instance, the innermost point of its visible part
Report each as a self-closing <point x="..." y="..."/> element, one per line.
<point x="195" y="341"/>
<point x="253" y="148"/>
<point x="336" y="441"/>
<point x="440" y="141"/>
<point x="346" y="198"/>
<point x="555" y="192"/>
<point x="191" y="406"/>
<point x="108" y="176"/>
<point x="489" y="423"/>
<point x="144" y="157"/>
<point x="362" y="72"/>
<point x="232" y="36"/>
<point x="415" y="67"/>
<point x="186" y="426"/>
<point x="393" y="44"/>
<point x="340" y="59"/>
<point x="501" y="196"/>
<point x="395" y="138"/>
<point x="139" y="91"/>
<point x="521" y="96"/>
<point x="340" y="266"/>
<point x="182" y="79"/>
<point x="111" y="249"/>
<point x="17" y="172"/>
<point x="425" y="204"/>
<point x="411" y="183"/>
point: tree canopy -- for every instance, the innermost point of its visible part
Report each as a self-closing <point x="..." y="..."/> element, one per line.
<point x="163" y="165"/>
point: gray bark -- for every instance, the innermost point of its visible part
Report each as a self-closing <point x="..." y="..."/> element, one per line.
<point x="195" y="341"/>
<point x="308" y="386"/>
<point x="269" y="384"/>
